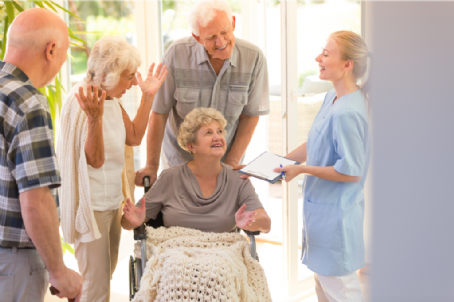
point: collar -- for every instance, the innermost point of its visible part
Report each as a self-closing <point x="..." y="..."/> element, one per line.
<point x="202" y="55"/>
<point x="15" y="72"/>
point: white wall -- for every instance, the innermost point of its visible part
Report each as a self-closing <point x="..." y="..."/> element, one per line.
<point x="413" y="132"/>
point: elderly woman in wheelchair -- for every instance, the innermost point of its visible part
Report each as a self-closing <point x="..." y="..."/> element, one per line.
<point x="201" y="199"/>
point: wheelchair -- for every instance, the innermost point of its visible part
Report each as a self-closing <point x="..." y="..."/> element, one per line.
<point x="137" y="265"/>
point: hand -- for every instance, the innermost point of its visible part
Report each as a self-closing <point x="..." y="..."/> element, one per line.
<point x="135" y="215"/>
<point x="92" y="105"/>
<point x="244" y="219"/>
<point x="243" y="176"/>
<point x="291" y="171"/>
<point x="152" y="83"/>
<point x="151" y="172"/>
<point x="68" y="283"/>
<point x="231" y="162"/>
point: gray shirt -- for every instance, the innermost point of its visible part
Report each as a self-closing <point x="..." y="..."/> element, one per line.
<point x="240" y="87"/>
<point x="178" y="196"/>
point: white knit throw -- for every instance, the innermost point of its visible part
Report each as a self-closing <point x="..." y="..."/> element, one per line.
<point x="191" y="265"/>
<point x="77" y="216"/>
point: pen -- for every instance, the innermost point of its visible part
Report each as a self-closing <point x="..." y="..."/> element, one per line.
<point x="283" y="174"/>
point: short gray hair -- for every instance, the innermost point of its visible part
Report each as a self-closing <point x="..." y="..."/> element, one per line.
<point x="204" y="11"/>
<point x="110" y="56"/>
<point x="195" y="119"/>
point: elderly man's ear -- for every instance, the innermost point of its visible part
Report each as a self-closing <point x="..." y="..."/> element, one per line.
<point x="51" y="50"/>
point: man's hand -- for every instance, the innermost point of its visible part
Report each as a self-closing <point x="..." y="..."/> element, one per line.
<point x="151" y="172"/>
<point x="243" y="176"/>
<point x="152" y="83"/>
<point x="135" y="215"/>
<point x="244" y="219"/>
<point x="68" y="283"/>
<point x="231" y="162"/>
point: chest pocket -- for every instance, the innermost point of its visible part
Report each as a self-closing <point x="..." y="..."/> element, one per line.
<point x="187" y="99"/>
<point x="238" y="97"/>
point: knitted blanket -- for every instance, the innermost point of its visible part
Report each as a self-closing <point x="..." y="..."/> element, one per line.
<point x="191" y="265"/>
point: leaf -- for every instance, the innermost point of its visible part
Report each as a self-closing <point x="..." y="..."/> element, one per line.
<point x="17" y="6"/>
<point x="39" y="3"/>
<point x="74" y="37"/>
<point x="50" y="5"/>
<point x="75" y="44"/>
<point x="9" y="11"/>
<point x="5" y="31"/>
<point x="65" y="10"/>
<point x="66" y="246"/>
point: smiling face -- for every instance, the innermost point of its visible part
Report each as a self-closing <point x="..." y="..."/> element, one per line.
<point x="127" y="80"/>
<point x="332" y="67"/>
<point x="210" y="141"/>
<point x="217" y="36"/>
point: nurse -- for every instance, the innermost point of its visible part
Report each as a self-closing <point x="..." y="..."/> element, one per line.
<point x="337" y="159"/>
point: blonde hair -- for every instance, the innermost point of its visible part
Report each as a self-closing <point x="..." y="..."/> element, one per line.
<point x="204" y="11"/>
<point x="353" y="48"/>
<point x="195" y="119"/>
<point x="110" y="56"/>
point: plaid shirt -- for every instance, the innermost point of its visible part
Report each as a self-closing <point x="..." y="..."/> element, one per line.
<point x="27" y="155"/>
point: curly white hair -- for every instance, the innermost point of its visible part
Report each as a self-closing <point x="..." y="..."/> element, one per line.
<point x="110" y="56"/>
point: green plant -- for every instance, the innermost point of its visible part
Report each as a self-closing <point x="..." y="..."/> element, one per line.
<point x="9" y="9"/>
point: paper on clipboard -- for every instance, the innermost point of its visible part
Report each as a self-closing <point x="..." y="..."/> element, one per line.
<point x="262" y="167"/>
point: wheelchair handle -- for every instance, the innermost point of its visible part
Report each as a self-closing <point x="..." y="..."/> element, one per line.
<point x="55" y="291"/>
<point x="146" y="183"/>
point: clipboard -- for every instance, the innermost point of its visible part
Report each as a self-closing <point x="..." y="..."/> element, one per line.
<point x="262" y="166"/>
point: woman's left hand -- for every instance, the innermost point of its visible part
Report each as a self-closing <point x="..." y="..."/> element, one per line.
<point x="244" y="219"/>
<point x="291" y="171"/>
<point x="153" y="82"/>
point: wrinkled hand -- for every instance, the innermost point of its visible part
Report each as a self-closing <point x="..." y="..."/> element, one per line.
<point x="68" y="283"/>
<point x="91" y="104"/>
<point x="152" y="83"/>
<point x="135" y="215"/>
<point x="291" y="171"/>
<point x="147" y="171"/>
<point x="243" y="176"/>
<point x="244" y="219"/>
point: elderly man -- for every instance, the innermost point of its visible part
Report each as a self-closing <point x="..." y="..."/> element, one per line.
<point x="213" y="69"/>
<point x="30" y="249"/>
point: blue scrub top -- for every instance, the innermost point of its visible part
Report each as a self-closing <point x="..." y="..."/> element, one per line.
<point x="333" y="212"/>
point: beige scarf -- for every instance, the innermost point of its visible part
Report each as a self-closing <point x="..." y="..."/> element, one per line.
<point x="77" y="217"/>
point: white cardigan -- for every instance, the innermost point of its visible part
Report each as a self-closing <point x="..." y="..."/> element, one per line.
<point x="77" y="217"/>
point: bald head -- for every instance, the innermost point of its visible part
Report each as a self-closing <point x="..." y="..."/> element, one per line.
<point x="37" y="44"/>
<point x="34" y="28"/>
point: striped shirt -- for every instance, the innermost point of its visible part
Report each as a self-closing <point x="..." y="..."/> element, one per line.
<point x="240" y="88"/>
<point x="27" y="155"/>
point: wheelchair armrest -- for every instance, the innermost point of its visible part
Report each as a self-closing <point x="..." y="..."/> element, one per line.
<point x="139" y="232"/>
<point x="249" y="233"/>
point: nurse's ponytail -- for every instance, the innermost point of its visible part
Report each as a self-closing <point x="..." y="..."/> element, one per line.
<point x="353" y="48"/>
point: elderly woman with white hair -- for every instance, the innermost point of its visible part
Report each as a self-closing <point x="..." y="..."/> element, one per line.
<point x="95" y="164"/>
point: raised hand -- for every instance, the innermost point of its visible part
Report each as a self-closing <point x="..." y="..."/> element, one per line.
<point x="91" y="104"/>
<point x="135" y="215"/>
<point x="152" y="83"/>
<point x="244" y="219"/>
